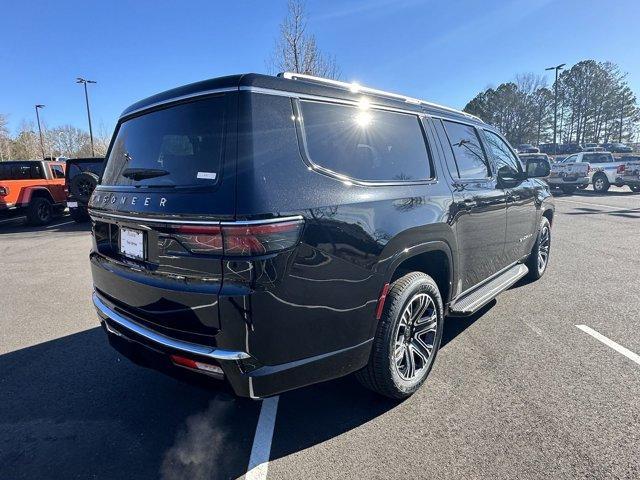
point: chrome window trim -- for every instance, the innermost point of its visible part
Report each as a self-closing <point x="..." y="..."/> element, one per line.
<point x="188" y="347"/>
<point x="178" y="99"/>
<point x="117" y="216"/>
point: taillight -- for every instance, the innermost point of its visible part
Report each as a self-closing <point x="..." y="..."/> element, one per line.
<point x="200" y="239"/>
<point x="620" y="169"/>
<point x="4" y="191"/>
<point x="260" y="239"/>
<point x="240" y="239"/>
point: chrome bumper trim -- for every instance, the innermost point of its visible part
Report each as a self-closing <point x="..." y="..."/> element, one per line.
<point x="187" y="347"/>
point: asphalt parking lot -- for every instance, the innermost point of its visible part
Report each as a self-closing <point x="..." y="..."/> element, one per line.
<point x="517" y="391"/>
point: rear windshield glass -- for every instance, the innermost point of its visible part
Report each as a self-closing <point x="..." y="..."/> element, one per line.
<point x="365" y="144"/>
<point x="598" y="158"/>
<point x="177" y="146"/>
<point x="21" y="171"/>
<point x="74" y="169"/>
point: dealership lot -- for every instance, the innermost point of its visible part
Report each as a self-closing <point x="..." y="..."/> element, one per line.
<point x="517" y="391"/>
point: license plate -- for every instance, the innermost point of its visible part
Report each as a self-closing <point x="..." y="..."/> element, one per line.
<point x="132" y="243"/>
<point x="72" y="204"/>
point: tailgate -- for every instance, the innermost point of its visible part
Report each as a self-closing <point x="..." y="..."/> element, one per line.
<point x="569" y="171"/>
<point x="168" y="172"/>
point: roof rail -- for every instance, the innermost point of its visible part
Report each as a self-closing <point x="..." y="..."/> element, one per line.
<point x="356" y="88"/>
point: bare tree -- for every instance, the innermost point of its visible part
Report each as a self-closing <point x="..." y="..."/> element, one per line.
<point x="296" y="49"/>
<point x="5" y="138"/>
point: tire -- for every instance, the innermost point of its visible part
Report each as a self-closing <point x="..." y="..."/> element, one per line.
<point x="83" y="184"/>
<point x="39" y="212"/>
<point x="635" y="188"/>
<point x="79" y="215"/>
<point x="567" y="190"/>
<point x="387" y="374"/>
<point x="538" y="260"/>
<point x="601" y="183"/>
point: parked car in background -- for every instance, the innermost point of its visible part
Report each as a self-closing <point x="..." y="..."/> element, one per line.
<point x="569" y="148"/>
<point x="32" y="188"/>
<point x="593" y="149"/>
<point x="527" y="148"/>
<point x="589" y="145"/>
<point x="617" y="148"/>
<point x="605" y="169"/>
<point x="631" y="172"/>
<point x="81" y="178"/>
<point x="281" y="231"/>
<point x="569" y="175"/>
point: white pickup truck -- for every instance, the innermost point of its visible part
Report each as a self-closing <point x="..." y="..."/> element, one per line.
<point x="604" y="169"/>
<point x="631" y="173"/>
<point x="569" y="175"/>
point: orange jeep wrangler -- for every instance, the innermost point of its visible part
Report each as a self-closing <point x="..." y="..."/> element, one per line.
<point x="32" y="188"/>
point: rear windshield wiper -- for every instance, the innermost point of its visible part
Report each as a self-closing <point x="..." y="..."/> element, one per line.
<point x="144" y="173"/>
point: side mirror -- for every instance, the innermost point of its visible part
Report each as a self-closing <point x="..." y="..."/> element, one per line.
<point x="538" y="168"/>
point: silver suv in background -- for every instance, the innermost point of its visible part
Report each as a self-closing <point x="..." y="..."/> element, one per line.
<point x="605" y="169"/>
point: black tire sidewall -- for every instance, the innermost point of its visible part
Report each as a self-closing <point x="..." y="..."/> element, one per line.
<point x="78" y="180"/>
<point x="396" y="302"/>
<point x="532" y="263"/>
<point x="605" y="185"/>
<point x="33" y="214"/>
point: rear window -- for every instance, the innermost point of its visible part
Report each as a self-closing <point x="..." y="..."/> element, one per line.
<point x="74" y="169"/>
<point x="21" y="171"/>
<point x="471" y="161"/>
<point x="365" y="144"/>
<point x="598" y="158"/>
<point x="176" y="146"/>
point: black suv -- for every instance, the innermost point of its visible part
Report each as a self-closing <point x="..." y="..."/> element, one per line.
<point x="81" y="178"/>
<point x="282" y="231"/>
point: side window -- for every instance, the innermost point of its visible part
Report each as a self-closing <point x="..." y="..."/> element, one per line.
<point x="57" y="171"/>
<point x="471" y="161"/>
<point x="365" y="144"/>
<point x="505" y="159"/>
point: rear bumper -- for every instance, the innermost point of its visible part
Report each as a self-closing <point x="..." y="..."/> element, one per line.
<point x="632" y="181"/>
<point x="558" y="182"/>
<point x="245" y="375"/>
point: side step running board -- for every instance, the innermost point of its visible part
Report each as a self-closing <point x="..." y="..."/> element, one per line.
<point x="479" y="297"/>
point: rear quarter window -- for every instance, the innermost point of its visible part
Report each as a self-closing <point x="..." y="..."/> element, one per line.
<point x="365" y="143"/>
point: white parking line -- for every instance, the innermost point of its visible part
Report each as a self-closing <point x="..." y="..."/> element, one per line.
<point x="610" y="343"/>
<point x="59" y="224"/>
<point x="261" y="450"/>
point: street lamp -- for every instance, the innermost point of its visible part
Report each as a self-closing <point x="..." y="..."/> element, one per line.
<point x="555" y="106"/>
<point x="38" y="107"/>
<point x="86" y="97"/>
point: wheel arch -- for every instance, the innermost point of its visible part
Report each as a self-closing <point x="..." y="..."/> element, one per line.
<point x="37" y="192"/>
<point x="433" y="258"/>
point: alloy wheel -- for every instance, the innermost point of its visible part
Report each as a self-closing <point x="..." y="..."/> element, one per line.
<point x="415" y="337"/>
<point x="543" y="248"/>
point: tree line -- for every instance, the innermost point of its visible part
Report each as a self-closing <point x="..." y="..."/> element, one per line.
<point x="61" y="141"/>
<point x="595" y="104"/>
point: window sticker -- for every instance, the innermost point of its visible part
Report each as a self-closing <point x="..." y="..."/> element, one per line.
<point x="207" y="175"/>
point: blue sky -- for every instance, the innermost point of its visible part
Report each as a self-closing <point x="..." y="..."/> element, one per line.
<point x="443" y="51"/>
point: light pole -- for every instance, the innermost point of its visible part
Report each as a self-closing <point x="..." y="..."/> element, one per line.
<point x="555" y="106"/>
<point x="86" y="97"/>
<point x="38" y="107"/>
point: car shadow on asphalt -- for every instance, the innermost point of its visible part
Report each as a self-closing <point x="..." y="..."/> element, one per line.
<point x="312" y="415"/>
<point x="73" y="408"/>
